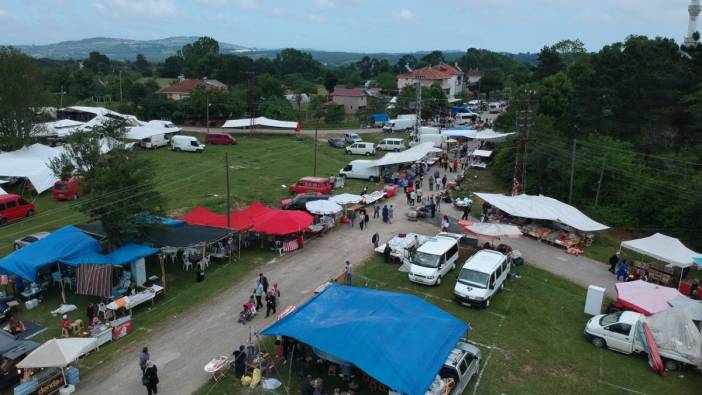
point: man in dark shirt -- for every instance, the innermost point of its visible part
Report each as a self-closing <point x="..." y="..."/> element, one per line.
<point x="307" y="388"/>
<point x="240" y="362"/>
<point x="613" y="260"/>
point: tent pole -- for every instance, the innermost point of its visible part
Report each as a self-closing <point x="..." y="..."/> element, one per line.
<point x="63" y="373"/>
<point x="63" y="291"/>
<point x="162" y="260"/>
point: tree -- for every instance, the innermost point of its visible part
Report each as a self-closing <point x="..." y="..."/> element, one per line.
<point x="569" y="50"/>
<point x="277" y="107"/>
<point x="142" y="65"/>
<point x="330" y="81"/>
<point x="434" y="101"/>
<point x="268" y="86"/>
<point x="433" y="58"/>
<point x="549" y="63"/>
<point x="97" y="63"/>
<point x="203" y="49"/>
<point x="387" y="81"/>
<point x="20" y="90"/>
<point x="333" y="114"/>
<point x="405" y="64"/>
<point x="293" y="61"/>
<point x="172" y="67"/>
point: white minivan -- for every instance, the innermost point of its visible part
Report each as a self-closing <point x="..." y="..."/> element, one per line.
<point x="361" y="148"/>
<point x="481" y="277"/>
<point x="187" y="143"/>
<point x="361" y="169"/>
<point x="351" y="137"/>
<point x="155" y="141"/>
<point x="434" y="259"/>
<point x="396" y="145"/>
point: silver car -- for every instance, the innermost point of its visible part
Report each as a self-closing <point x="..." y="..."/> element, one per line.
<point x="29" y="239"/>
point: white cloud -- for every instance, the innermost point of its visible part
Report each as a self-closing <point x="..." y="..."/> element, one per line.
<point x="119" y="8"/>
<point x="315" y="18"/>
<point x="248" y="5"/>
<point x="404" y="15"/>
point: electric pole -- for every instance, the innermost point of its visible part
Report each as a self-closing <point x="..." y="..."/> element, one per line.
<point x="229" y="204"/>
<point x="314" y="173"/>
<point x="522" y="123"/>
<point x="120" y="86"/>
<point x="572" y="173"/>
<point x="207" y="100"/>
<point x="599" y="182"/>
<point x="418" y="108"/>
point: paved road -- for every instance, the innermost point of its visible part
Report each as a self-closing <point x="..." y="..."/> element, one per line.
<point x="185" y="344"/>
<point x="306" y="132"/>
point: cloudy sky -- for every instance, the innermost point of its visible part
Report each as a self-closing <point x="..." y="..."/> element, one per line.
<point x="348" y="25"/>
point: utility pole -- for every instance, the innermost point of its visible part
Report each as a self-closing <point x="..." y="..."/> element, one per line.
<point x="522" y="123"/>
<point x="599" y="182"/>
<point x="207" y="100"/>
<point x="120" y="86"/>
<point x="418" y="108"/>
<point x="61" y="97"/>
<point x="314" y="173"/>
<point x="572" y="173"/>
<point x="229" y="203"/>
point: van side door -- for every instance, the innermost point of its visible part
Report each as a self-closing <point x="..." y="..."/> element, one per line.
<point x="12" y="210"/>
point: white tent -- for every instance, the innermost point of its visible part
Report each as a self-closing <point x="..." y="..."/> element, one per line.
<point x="323" y="207"/>
<point x="542" y="208"/>
<point x="58" y="353"/>
<point x="346" y="198"/>
<point x="32" y="163"/>
<point x="142" y="132"/>
<point x="485" y="134"/>
<point x="482" y="153"/>
<point x="407" y="156"/>
<point x="260" y="121"/>
<point x="167" y="125"/>
<point x="664" y="248"/>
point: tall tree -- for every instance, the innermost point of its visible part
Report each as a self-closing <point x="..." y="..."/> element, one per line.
<point x="20" y="90"/>
<point x="330" y="81"/>
<point x="549" y="63"/>
<point x="142" y="65"/>
<point x="203" y="49"/>
<point x="433" y="58"/>
<point x="405" y="64"/>
<point x="172" y="67"/>
<point x="97" y="63"/>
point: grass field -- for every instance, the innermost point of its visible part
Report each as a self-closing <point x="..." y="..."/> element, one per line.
<point x="531" y="339"/>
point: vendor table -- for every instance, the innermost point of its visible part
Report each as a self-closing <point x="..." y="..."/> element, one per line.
<point x="216" y="367"/>
<point x="32" y="293"/>
<point x="121" y="327"/>
<point x="130" y="302"/>
<point x="102" y="334"/>
<point x="291" y="245"/>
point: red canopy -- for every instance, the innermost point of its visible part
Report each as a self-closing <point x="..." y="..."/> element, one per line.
<point x="204" y="217"/>
<point x="240" y="220"/>
<point x="282" y="222"/>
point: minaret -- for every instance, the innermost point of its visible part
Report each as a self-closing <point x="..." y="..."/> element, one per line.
<point x="694" y="10"/>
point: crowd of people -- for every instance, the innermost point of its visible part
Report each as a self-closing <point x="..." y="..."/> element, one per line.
<point x="261" y="292"/>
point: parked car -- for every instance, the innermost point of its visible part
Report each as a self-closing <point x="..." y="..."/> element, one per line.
<point x="399" y="125"/>
<point x="461" y="365"/>
<point x="5" y="310"/>
<point x="313" y="184"/>
<point x="187" y="143"/>
<point x="481" y="277"/>
<point x="351" y="137"/>
<point x="14" y="208"/>
<point x="361" y="148"/>
<point x="434" y="259"/>
<point x="337" y="143"/>
<point x="362" y="169"/>
<point x="29" y="239"/>
<point x="298" y="202"/>
<point x="155" y="141"/>
<point x="66" y="189"/>
<point x="219" y="138"/>
<point x="396" y="145"/>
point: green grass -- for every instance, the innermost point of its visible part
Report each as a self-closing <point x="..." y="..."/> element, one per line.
<point x="531" y="340"/>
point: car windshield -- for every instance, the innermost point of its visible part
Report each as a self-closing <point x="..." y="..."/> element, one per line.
<point x="610" y="318"/>
<point x="426" y="260"/>
<point x="61" y="186"/>
<point x="471" y="277"/>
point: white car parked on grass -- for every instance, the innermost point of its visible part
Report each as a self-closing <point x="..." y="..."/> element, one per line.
<point x="361" y="148"/>
<point x="434" y="259"/>
<point x="481" y="277"/>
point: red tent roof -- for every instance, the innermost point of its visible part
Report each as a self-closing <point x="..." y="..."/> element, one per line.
<point x="240" y="219"/>
<point x="282" y="222"/>
<point x="244" y="218"/>
<point x="204" y="217"/>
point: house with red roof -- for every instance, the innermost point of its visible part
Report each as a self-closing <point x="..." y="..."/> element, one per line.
<point x="450" y="78"/>
<point x="353" y="99"/>
<point x="185" y="87"/>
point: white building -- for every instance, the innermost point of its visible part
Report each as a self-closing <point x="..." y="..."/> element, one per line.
<point x="450" y="78"/>
<point x="694" y="10"/>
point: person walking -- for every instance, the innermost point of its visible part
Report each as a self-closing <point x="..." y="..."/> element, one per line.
<point x="385" y="213"/>
<point x="352" y="218"/>
<point x="419" y="196"/>
<point x="444" y="180"/>
<point x="437" y="181"/>
<point x="362" y="221"/>
<point x="258" y="292"/>
<point x="466" y="210"/>
<point x="376" y="211"/>
<point x="270" y="303"/>
<point x="445" y="224"/>
<point x="438" y="203"/>
<point x="367" y="219"/>
<point x="623" y="271"/>
<point x="431" y="185"/>
<point x="264" y="282"/>
<point x="375" y="239"/>
<point x="391" y="212"/>
<point x="349" y="273"/>
<point x="413" y="198"/>
<point x="613" y="260"/>
<point x="144" y="357"/>
<point x="432" y="206"/>
<point x="150" y="378"/>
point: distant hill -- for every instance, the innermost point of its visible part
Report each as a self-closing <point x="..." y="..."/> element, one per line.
<point x="158" y="50"/>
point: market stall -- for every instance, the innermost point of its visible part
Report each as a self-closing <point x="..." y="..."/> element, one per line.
<point x="644" y="297"/>
<point x="671" y="252"/>
<point x="286" y="226"/>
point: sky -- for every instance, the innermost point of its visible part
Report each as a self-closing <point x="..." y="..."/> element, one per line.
<point x="348" y="25"/>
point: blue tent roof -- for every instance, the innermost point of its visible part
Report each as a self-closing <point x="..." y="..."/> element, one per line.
<point x="66" y="243"/>
<point x="400" y="340"/>
<point x="123" y="255"/>
<point x="382" y="117"/>
<point x="698" y="260"/>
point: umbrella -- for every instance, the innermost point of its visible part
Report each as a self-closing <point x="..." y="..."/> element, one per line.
<point x="58" y="353"/>
<point x="346" y="198"/>
<point x="644" y="297"/>
<point x="323" y="207"/>
<point x="282" y="222"/>
<point x="693" y="307"/>
<point x="493" y="231"/>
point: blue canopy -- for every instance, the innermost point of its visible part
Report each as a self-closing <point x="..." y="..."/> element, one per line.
<point x="165" y="221"/>
<point x="64" y="244"/>
<point x="126" y="254"/>
<point x="382" y="117"/>
<point x="698" y="260"/>
<point x="400" y="340"/>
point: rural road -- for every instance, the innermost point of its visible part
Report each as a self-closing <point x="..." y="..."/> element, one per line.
<point x="183" y="346"/>
<point x="264" y="131"/>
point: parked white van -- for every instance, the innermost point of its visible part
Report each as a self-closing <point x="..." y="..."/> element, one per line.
<point x="361" y="169"/>
<point x="481" y="277"/>
<point x="186" y="143"/>
<point x="466" y="118"/>
<point x="361" y="148"/>
<point x="396" y="145"/>
<point x="434" y="259"/>
<point x="351" y="137"/>
<point x="398" y="125"/>
<point x="155" y="141"/>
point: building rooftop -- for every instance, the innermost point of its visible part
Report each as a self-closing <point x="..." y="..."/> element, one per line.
<point x="349" y="92"/>
<point x="187" y="86"/>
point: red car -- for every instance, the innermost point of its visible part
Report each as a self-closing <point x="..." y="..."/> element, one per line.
<point x="66" y="189"/>
<point x="13" y="208"/>
<point x="313" y="184"/>
<point x="219" y="138"/>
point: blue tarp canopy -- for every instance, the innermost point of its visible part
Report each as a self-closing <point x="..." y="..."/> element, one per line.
<point x="459" y="109"/>
<point x="64" y="244"/>
<point x="382" y="117"/>
<point x="165" y="221"/>
<point x="400" y="340"/>
<point x="126" y="254"/>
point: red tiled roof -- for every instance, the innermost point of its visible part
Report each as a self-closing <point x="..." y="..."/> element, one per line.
<point x="474" y="73"/>
<point x="187" y="86"/>
<point x="440" y="71"/>
<point x="445" y="67"/>
<point x="349" y="92"/>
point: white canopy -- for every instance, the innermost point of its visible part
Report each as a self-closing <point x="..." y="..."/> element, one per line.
<point x="31" y="162"/>
<point x="2" y="192"/>
<point x="58" y="353"/>
<point x="260" y="121"/>
<point x="323" y="207"/>
<point x="413" y="154"/>
<point x="482" y="153"/>
<point x="346" y="198"/>
<point x="485" y="134"/>
<point x="142" y="132"/>
<point x="490" y="230"/>
<point x="664" y="248"/>
<point x="157" y="124"/>
<point x="543" y="208"/>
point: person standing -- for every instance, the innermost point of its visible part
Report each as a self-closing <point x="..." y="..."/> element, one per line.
<point x="613" y="260"/>
<point x="258" y="292"/>
<point x="623" y="271"/>
<point x="307" y="388"/>
<point x="352" y="218"/>
<point x="367" y="219"/>
<point x="264" y="281"/>
<point x="375" y="239"/>
<point x="431" y="185"/>
<point x="385" y="213"/>
<point x="419" y="196"/>
<point x="466" y="210"/>
<point x="391" y="212"/>
<point x="90" y="313"/>
<point x="349" y="273"/>
<point x="413" y="198"/>
<point x="445" y="224"/>
<point x="239" y="362"/>
<point x="376" y="211"/>
<point x="386" y="252"/>
<point x="362" y="220"/>
<point x="144" y="357"/>
<point x="270" y="303"/>
<point x="432" y="206"/>
<point x="444" y="180"/>
<point x="437" y="181"/>
<point x="150" y="379"/>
